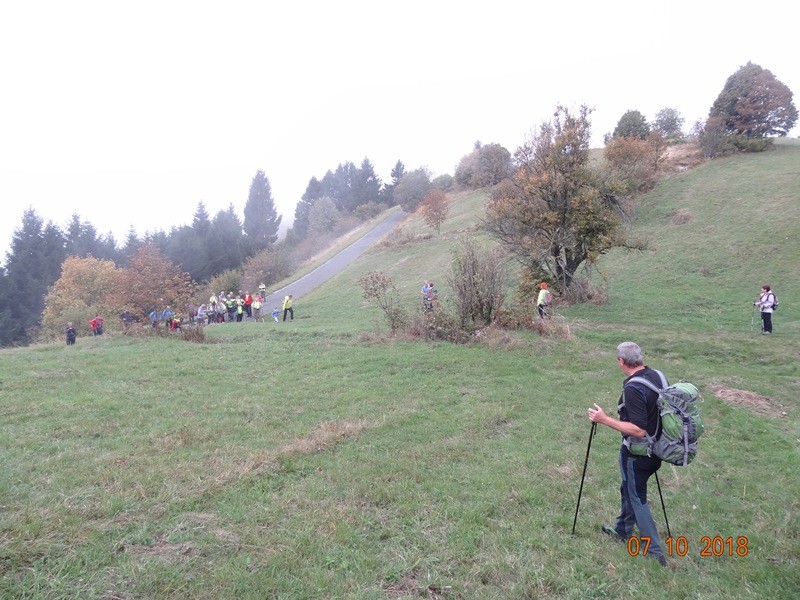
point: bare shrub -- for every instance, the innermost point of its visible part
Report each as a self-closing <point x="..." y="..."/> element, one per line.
<point x="379" y="288"/>
<point x="227" y="281"/>
<point x="519" y="316"/>
<point x="497" y="337"/>
<point x="713" y="138"/>
<point x="557" y="328"/>
<point x="582" y="290"/>
<point x="195" y="334"/>
<point x="401" y="237"/>
<point x="636" y="161"/>
<point x="267" y="267"/>
<point x="437" y="326"/>
<point x="142" y="330"/>
<point x="525" y="317"/>
<point x="479" y="280"/>
<point x="682" y="216"/>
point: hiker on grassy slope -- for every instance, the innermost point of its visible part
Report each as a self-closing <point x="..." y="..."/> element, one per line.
<point x="638" y="414"/>
<point x="71" y="334"/>
<point x="287" y="308"/>
<point x="544" y="300"/>
<point x="766" y="302"/>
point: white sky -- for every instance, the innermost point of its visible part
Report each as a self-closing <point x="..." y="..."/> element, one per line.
<point x="129" y="114"/>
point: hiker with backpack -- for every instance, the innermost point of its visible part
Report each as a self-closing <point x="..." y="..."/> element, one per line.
<point x="767" y="303"/>
<point x="638" y="418"/>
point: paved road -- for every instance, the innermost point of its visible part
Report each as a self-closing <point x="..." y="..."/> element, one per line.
<point x="333" y="266"/>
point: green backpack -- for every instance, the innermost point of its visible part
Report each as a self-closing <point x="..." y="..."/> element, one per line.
<point x="680" y="424"/>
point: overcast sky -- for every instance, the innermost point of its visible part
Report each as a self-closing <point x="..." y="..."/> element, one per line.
<point x="129" y="114"/>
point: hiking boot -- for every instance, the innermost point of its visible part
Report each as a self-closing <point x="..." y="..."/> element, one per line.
<point x="662" y="560"/>
<point x="613" y="533"/>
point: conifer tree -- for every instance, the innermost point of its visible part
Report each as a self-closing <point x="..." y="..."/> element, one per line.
<point x="261" y="219"/>
<point x="366" y="185"/>
<point x="32" y="266"/>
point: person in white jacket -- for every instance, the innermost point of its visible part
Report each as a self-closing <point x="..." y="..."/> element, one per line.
<point x="766" y="302"/>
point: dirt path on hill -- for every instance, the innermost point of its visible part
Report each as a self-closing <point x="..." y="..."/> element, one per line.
<point x="331" y="267"/>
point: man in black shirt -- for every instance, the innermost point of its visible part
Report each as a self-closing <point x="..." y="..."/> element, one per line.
<point x="638" y="418"/>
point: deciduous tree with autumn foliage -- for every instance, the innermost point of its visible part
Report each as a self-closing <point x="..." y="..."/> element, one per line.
<point x="754" y="104"/>
<point x="86" y="287"/>
<point x="558" y="213"/>
<point x="152" y="281"/>
<point x="434" y="208"/>
<point x="90" y="286"/>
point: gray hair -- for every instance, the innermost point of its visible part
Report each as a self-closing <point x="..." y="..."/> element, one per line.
<point x="630" y="354"/>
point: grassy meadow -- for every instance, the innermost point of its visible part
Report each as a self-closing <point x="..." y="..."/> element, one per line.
<point x="320" y="458"/>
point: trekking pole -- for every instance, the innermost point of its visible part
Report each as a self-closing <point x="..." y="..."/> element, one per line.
<point x="658" y="483"/>
<point x="585" y="464"/>
<point x="753" y="318"/>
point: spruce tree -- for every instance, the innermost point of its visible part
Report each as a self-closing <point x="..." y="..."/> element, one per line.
<point x="32" y="265"/>
<point x="261" y="219"/>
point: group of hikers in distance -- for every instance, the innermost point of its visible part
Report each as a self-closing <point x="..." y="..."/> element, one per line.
<point x="222" y="308"/>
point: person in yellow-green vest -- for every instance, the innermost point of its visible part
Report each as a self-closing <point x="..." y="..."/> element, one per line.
<point x="239" y="309"/>
<point x="287" y="308"/>
<point x="544" y="300"/>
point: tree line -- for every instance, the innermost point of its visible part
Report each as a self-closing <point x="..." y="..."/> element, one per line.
<point x="216" y="250"/>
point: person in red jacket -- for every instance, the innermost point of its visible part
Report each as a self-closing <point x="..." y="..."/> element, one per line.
<point x="248" y="304"/>
<point x="97" y="325"/>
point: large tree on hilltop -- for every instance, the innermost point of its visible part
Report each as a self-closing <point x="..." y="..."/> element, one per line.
<point x="261" y="219"/>
<point x="753" y="103"/>
<point x="558" y="213"/>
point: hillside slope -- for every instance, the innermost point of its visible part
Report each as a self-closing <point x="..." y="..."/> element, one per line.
<point x="324" y="459"/>
<point x="716" y="234"/>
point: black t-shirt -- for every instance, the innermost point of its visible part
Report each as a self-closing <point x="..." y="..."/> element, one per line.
<point x="641" y="403"/>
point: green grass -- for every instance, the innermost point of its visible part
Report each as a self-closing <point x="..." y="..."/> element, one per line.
<point x="316" y="459"/>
